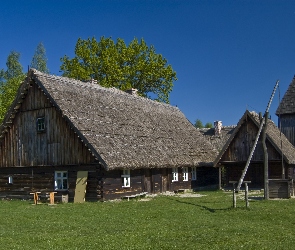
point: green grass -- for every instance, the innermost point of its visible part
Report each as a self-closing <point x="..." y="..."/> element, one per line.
<point x="165" y="222"/>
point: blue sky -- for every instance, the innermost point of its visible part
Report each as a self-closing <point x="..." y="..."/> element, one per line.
<point x="228" y="55"/>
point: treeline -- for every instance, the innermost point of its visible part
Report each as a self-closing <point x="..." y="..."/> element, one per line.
<point x="111" y="63"/>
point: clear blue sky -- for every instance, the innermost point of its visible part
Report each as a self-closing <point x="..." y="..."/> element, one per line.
<point x="227" y="54"/>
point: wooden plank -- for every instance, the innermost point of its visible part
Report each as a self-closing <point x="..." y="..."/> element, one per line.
<point x="81" y="184"/>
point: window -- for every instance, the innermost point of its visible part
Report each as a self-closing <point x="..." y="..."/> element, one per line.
<point x="126" y="178"/>
<point x="185" y="173"/>
<point x="194" y="173"/>
<point x="40" y="124"/>
<point x="10" y="179"/>
<point x="61" y="180"/>
<point x="174" y="174"/>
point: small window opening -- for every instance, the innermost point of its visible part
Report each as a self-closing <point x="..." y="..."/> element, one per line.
<point x="10" y="179"/>
<point x="61" y="180"/>
<point x="185" y="173"/>
<point x="174" y="174"/>
<point x="126" y="178"/>
<point x="40" y="124"/>
<point x="194" y="173"/>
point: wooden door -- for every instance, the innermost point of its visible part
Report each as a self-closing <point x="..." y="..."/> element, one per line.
<point x="81" y="184"/>
<point x="147" y="181"/>
<point x="164" y="186"/>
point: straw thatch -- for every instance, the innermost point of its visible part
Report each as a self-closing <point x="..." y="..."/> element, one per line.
<point x="217" y="140"/>
<point x="123" y="130"/>
<point x="287" y="105"/>
<point x="273" y="135"/>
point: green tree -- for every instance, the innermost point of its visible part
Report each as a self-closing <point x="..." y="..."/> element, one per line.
<point x="208" y="125"/>
<point x="199" y="124"/>
<point x="39" y="60"/>
<point x="10" y="80"/>
<point x="115" y="64"/>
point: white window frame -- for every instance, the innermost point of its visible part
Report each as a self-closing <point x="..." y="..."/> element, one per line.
<point x="185" y="173"/>
<point x="174" y="174"/>
<point x="194" y="173"/>
<point x="59" y="178"/>
<point x="126" y="178"/>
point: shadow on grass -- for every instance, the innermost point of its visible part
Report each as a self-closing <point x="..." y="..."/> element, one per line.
<point x="211" y="210"/>
<point x="256" y="198"/>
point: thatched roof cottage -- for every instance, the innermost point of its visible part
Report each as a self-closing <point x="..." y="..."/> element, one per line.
<point x="59" y="129"/>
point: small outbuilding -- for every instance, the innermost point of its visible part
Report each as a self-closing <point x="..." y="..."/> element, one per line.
<point x="234" y="154"/>
<point x="80" y="139"/>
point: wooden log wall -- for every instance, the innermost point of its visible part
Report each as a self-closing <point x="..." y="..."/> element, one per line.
<point x="143" y="180"/>
<point x="58" y="145"/>
<point x="180" y="184"/>
<point x="41" y="179"/>
<point x="112" y="184"/>
<point x="255" y="173"/>
<point x="287" y="122"/>
<point x="279" y="188"/>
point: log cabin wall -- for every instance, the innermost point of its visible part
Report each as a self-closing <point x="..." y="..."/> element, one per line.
<point x="113" y="184"/>
<point x="57" y="145"/>
<point x="41" y="179"/>
<point x="255" y="173"/>
<point x="180" y="184"/>
<point x="155" y="180"/>
<point x="287" y="123"/>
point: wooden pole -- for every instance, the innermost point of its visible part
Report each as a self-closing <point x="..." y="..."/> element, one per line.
<point x="246" y="195"/>
<point x="256" y="140"/>
<point x="234" y="193"/>
<point x="219" y="177"/>
<point x="265" y="158"/>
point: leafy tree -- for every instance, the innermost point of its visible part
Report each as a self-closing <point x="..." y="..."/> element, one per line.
<point x="115" y="64"/>
<point x="208" y="125"/>
<point x="10" y="80"/>
<point x="39" y="60"/>
<point x="199" y="124"/>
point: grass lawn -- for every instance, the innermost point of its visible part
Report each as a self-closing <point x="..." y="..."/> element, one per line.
<point x="164" y="222"/>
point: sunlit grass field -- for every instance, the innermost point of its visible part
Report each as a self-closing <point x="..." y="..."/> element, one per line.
<point x="163" y="222"/>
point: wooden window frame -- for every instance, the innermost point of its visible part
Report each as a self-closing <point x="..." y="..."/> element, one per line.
<point x="126" y="178"/>
<point x="174" y="174"/>
<point x="185" y="173"/>
<point x="61" y="179"/>
<point x="194" y="173"/>
<point x="40" y="123"/>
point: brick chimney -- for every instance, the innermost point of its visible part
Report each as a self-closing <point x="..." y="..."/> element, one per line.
<point x="217" y="127"/>
<point x="131" y="91"/>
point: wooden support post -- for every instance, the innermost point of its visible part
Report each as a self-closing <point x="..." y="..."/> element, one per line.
<point x="246" y="195"/>
<point x="265" y="158"/>
<point x="234" y="193"/>
<point x="219" y="177"/>
<point x="51" y="198"/>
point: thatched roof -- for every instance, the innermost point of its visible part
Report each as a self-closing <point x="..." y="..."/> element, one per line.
<point x="287" y="105"/>
<point x="123" y="130"/>
<point x="217" y="140"/>
<point x="273" y="135"/>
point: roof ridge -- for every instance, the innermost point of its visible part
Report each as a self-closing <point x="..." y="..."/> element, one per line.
<point x="98" y="86"/>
